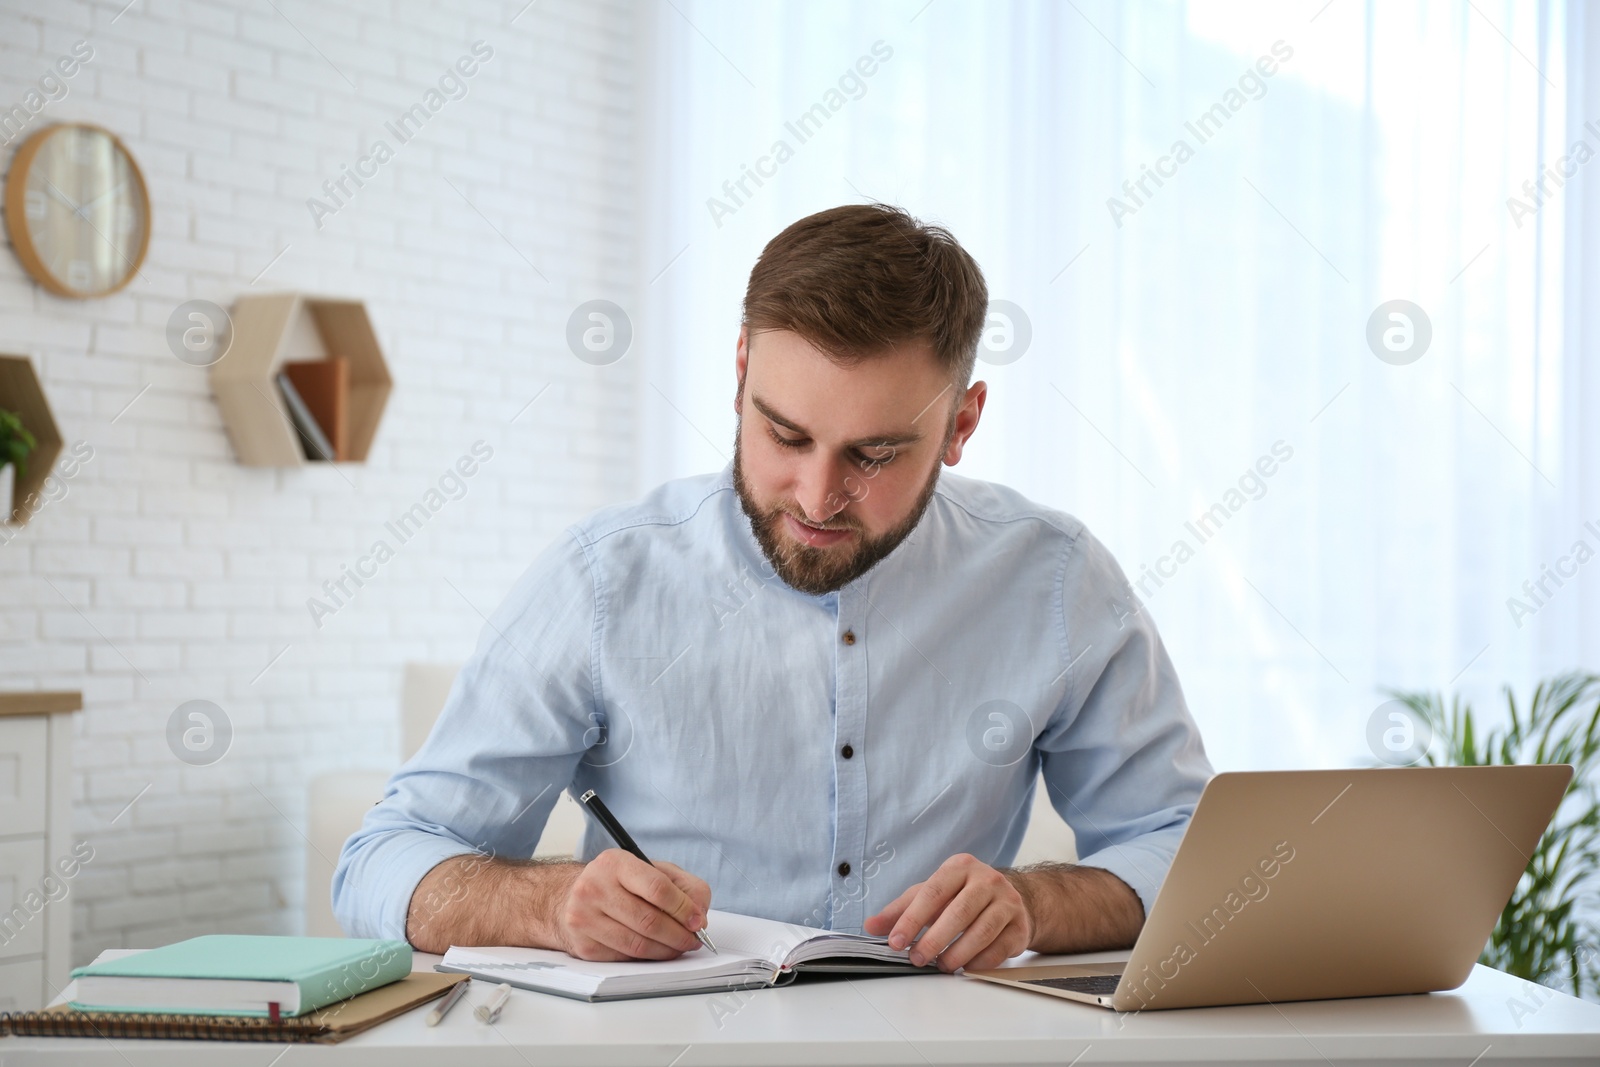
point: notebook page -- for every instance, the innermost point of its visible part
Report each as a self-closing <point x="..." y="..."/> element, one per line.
<point x="743" y="947"/>
<point x="106" y="955"/>
<point x="749" y="948"/>
<point x="788" y="944"/>
<point x="545" y="967"/>
<point x="754" y="937"/>
<point x="850" y="946"/>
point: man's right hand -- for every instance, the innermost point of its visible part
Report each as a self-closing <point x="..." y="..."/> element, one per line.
<point x="618" y="907"/>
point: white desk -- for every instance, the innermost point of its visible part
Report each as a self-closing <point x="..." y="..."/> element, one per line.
<point x="926" y="1019"/>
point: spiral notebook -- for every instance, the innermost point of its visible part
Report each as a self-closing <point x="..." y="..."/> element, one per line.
<point x="324" y="1026"/>
<point x="753" y="953"/>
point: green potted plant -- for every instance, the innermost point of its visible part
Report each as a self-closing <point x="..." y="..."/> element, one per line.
<point x="15" y="444"/>
<point x="1543" y="935"/>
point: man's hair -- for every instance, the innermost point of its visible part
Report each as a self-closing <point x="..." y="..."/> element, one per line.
<point x="857" y="279"/>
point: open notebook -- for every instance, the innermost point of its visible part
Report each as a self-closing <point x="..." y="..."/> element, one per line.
<point x="752" y="953"/>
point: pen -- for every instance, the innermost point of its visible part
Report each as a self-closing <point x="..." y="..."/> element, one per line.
<point x="624" y="840"/>
<point x="449" y="1001"/>
<point x="488" y="1013"/>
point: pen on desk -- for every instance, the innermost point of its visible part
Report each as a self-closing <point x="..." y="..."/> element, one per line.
<point x="624" y="840"/>
<point x="449" y="1001"/>
<point x="488" y="1013"/>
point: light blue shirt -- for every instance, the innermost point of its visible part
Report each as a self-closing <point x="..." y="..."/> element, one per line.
<point x="810" y="757"/>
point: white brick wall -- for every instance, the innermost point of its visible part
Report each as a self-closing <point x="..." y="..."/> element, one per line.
<point x="169" y="572"/>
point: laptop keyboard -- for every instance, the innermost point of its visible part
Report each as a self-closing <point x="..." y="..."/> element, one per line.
<point x="1100" y="985"/>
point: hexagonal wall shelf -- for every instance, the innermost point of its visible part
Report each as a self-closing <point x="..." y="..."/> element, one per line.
<point x="21" y="392"/>
<point x="269" y="330"/>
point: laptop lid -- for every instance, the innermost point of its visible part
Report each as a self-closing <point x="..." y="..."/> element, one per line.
<point x="1306" y="885"/>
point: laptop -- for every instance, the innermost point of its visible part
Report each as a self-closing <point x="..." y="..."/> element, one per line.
<point x="1313" y="885"/>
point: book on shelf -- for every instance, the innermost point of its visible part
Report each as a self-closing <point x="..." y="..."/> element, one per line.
<point x="324" y="388"/>
<point x="313" y="442"/>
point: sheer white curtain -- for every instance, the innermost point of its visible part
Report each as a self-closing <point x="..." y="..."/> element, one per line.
<point x="1212" y="322"/>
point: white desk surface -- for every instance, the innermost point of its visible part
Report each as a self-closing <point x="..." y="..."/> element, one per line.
<point x="920" y="1019"/>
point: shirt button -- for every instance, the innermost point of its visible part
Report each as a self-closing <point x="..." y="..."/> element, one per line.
<point x="847" y="752"/>
<point x="844" y="870"/>
<point x="848" y="637"/>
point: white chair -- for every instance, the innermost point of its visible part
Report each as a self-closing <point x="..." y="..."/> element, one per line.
<point x="339" y="800"/>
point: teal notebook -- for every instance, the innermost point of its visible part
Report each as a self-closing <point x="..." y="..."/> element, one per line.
<point x="241" y="974"/>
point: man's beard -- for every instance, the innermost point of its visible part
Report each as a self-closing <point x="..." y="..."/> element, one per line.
<point x="822" y="570"/>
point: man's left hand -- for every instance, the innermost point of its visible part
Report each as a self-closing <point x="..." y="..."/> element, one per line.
<point x="964" y="898"/>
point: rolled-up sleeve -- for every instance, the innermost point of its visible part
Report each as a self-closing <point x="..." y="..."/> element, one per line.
<point x="505" y="745"/>
<point x="1121" y="757"/>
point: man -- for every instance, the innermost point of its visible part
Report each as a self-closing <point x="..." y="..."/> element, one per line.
<point x="818" y="687"/>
